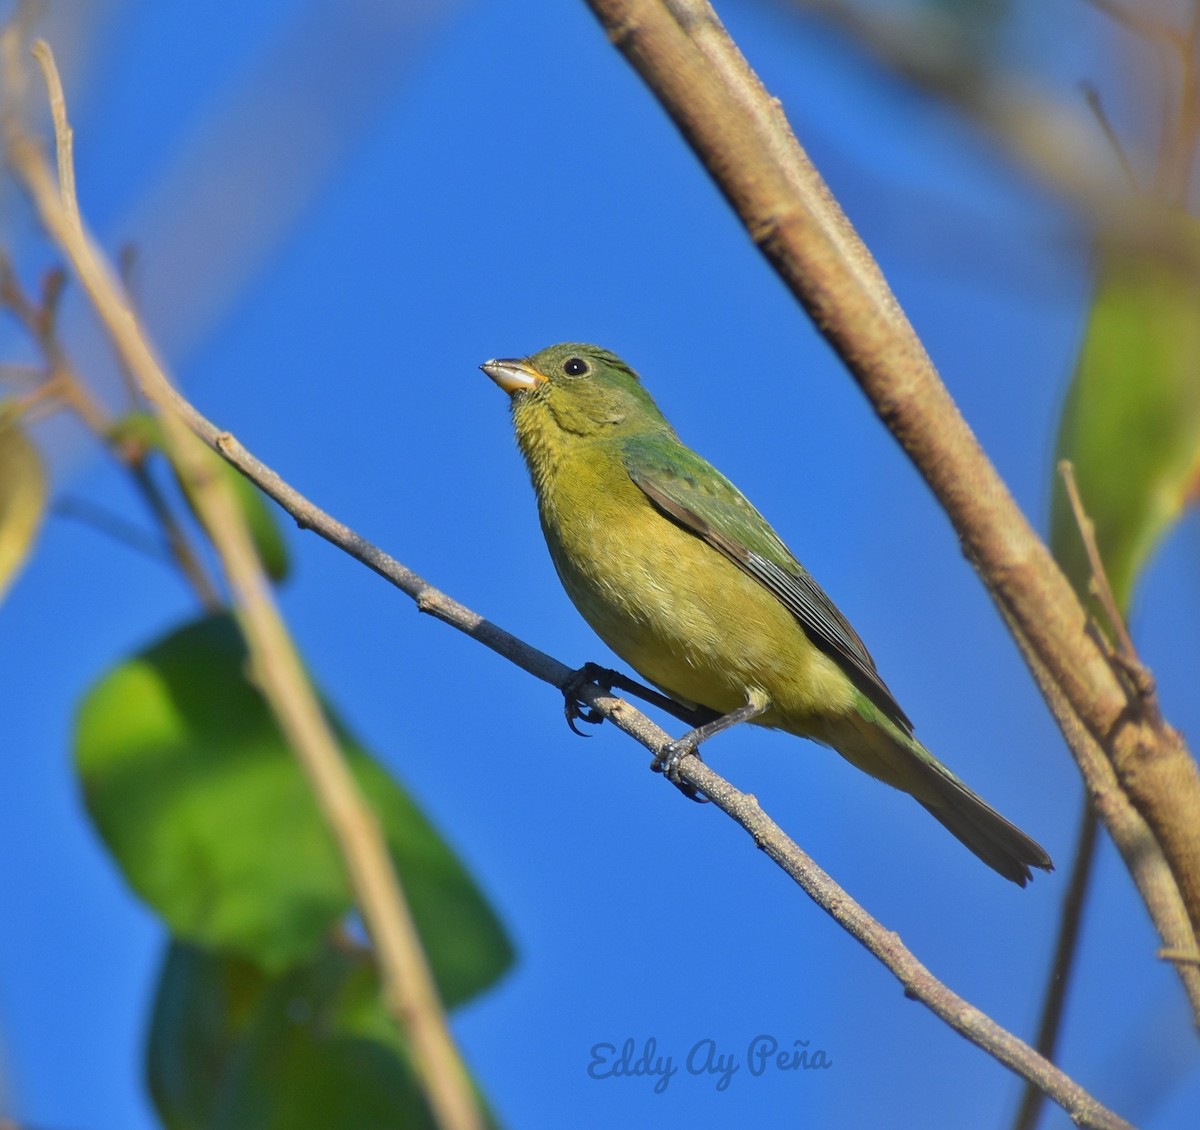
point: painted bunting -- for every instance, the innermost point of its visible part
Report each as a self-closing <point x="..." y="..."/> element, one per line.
<point x="683" y="578"/>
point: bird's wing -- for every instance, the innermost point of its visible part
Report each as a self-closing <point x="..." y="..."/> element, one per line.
<point x="695" y="495"/>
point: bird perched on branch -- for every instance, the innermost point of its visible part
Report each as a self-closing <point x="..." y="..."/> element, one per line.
<point x="683" y="578"/>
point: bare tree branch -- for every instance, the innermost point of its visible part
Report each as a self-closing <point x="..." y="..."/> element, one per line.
<point x="740" y="134"/>
<point x="61" y="385"/>
<point x="1066" y="947"/>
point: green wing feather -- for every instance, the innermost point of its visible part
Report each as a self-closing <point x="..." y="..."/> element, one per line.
<point x="694" y="494"/>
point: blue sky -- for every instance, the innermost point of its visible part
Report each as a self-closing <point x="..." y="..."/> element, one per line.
<point x="324" y="285"/>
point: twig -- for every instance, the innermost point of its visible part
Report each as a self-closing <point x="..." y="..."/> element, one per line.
<point x="1099" y="586"/>
<point x="1182" y="957"/>
<point x="60" y="384"/>
<point x="1126" y="654"/>
<point x="112" y="525"/>
<point x="1065" y="949"/>
<point x="1092" y="97"/>
<point x="179" y="545"/>
<point x="64" y="136"/>
<point x="408" y="986"/>
<point x="1177" y="150"/>
<point x="919" y="983"/>
<point x="740" y="134"/>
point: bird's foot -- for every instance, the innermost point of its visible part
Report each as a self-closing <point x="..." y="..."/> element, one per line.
<point x="669" y="762"/>
<point x="575" y="709"/>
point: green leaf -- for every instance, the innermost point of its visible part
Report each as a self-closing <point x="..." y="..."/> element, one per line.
<point x="1131" y="421"/>
<point x="22" y="496"/>
<point x="144" y="430"/>
<point x="198" y="797"/>
<point x="233" y="1048"/>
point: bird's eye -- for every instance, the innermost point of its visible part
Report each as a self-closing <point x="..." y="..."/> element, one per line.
<point x="575" y="366"/>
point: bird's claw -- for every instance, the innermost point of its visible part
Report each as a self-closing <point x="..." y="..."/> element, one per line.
<point x="670" y="760"/>
<point x="672" y="756"/>
<point x="574" y="709"/>
<point x="576" y="712"/>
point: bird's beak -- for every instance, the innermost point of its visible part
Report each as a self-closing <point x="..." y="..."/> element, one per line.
<point x="513" y="375"/>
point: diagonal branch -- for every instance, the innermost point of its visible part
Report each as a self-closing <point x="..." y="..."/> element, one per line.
<point x="1136" y="768"/>
<point x="1066" y="947"/>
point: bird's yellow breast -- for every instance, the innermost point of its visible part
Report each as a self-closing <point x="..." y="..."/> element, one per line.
<point x="675" y="609"/>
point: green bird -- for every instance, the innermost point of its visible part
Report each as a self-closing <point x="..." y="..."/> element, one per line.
<point x="685" y="580"/>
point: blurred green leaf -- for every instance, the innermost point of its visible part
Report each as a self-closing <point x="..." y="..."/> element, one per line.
<point x="22" y="496"/>
<point x="1131" y="421"/>
<point x="144" y="430"/>
<point x="140" y="429"/>
<point x="195" y="792"/>
<point x="234" y="1049"/>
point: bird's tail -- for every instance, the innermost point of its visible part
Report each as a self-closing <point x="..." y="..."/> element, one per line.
<point x="999" y="843"/>
<point x="884" y="751"/>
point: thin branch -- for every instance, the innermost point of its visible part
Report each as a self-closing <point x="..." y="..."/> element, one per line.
<point x="1035" y="128"/>
<point x="1092" y="97"/>
<point x="919" y="983"/>
<point x="112" y="525"/>
<point x="1143" y="681"/>
<point x="1177" y="149"/>
<point x="741" y="135"/>
<point x="1065" y="949"/>
<point x="408" y="985"/>
<point x="61" y="385"/>
<point x="179" y="545"/>
<point x="64" y="136"/>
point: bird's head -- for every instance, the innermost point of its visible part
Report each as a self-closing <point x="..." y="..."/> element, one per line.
<point x="581" y="392"/>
